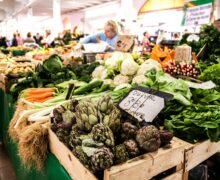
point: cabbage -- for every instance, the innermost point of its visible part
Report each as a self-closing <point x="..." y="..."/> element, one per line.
<point x="120" y="79"/>
<point x="53" y="64"/>
<point x="148" y="66"/>
<point x="129" y="67"/>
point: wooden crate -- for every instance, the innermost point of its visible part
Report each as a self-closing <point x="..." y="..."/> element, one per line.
<point x="143" y="167"/>
<point x="199" y="152"/>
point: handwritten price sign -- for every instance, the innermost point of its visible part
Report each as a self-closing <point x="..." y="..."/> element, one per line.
<point x="143" y="103"/>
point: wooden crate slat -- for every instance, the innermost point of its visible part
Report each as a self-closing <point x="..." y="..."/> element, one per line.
<point x="149" y="165"/>
<point x="199" y="152"/>
<point x="73" y="166"/>
<point x="175" y="176"/>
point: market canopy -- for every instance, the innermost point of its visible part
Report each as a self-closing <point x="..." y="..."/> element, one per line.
<point x="157" y="5"/>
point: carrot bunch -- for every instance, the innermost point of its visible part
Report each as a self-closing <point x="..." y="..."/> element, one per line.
<point x="39" y="94"/>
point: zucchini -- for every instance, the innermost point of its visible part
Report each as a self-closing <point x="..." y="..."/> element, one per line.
<point x="88" y="87"/>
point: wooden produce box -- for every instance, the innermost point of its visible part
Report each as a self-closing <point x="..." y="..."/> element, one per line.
<point x="142" y="168"/>
<point x="197" y="153"/>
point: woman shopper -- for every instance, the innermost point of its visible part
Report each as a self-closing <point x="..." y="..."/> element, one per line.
<point x="109" y="36"/>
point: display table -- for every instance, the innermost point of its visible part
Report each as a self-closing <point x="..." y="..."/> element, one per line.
<point x="53" y="169"/>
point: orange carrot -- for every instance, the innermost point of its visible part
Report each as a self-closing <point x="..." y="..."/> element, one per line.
<point x="43" y="100"/>
<point x="40" y="90"/>
<point x="41" y="96"/>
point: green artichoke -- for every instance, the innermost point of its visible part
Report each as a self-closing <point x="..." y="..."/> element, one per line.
<point x="74" y="137"/>
<point x="120" y="154"/>
<point x="102" y="159"/>
<point x="63" y="135"/>
<point x="132" y="148"/>
<point x="148" y="138"/>
<point x="105" y="104"/>
<point x="86" y="115"/>
<point x="129" y="130"/>
<point x="72" y="105"/>
<point x="113" y="120"/>
<point x="102" y="133"/>
<point x="79" y="153"/>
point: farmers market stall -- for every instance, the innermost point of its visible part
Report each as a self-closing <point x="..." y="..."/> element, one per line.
<point x="123" y="115"/>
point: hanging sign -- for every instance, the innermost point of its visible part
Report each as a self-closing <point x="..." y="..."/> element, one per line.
<point x="197" y="12"/>
<point x="144" y="104"/>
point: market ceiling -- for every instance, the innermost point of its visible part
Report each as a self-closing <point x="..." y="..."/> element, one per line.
<point x="11" y="8"/>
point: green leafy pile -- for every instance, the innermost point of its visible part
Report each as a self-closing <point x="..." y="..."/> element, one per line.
<point x="211" y="73"/>
<point x="196" y="123"/>
<point x="196" y="45"/>
<point x="199" y="121"/>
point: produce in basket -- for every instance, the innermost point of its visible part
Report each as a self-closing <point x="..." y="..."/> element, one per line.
<point x="148" y="138"/>
<point x="86" y="115"/>
<point x="102" y="159"/>
<point x="104" y="134"/>
<point x="132" y="148"/>
<point x="120" y="154"/>
<point x="128" y="130"/>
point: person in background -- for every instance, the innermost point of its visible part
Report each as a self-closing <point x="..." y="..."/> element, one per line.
<point x="14" y="41"/>
<point x="109" y="36"/>
<point x="19" y="39"/>
<point x="29" y="38"/>
<point x="146" y="42"/>
<point x="38" y="38"/>
<point x="3" y="42"/>
<point x="49" y="40"/>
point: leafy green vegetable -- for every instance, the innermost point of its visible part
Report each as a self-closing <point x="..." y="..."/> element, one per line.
<point x="196" y="123"/>
<point x="53" y="64"/>
<point x="84" y="71"/>
<point x="211" y="73"/>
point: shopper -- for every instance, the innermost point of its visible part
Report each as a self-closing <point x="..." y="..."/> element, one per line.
<point x="3" y="42"/>
<point x="49" y="40"/>
<point x="14" y="40"/>
<point x="38" y="38"/>
<point x="19" y="39"/>
<point x="29" y="38"/>
<point x="109" y="35"/>
<point x="146" y="42"/>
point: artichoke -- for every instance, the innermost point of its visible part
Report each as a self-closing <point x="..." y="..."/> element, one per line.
<point x="63" y="135"/>
<point x="73" y="104"/>
<point x="132" y="148"/>
<point x="165" y="137"/>
<point x="105" y="104"/>
<point x="74" y="137"/>
<point x="86" y="115"/>
<point x="102" y="159"/>
<point x="120" y="154"/>
<point x="113" y="120"/>
<point x="69" y="119"/>
<point x="148" y="138"/>
<point x="129" y="130"/>
<point x="57" y="113"/>
<point x="104" y="134"/>
<point x="79" y="153"/>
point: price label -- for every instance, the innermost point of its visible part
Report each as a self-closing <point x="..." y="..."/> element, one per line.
<point x="144" y="104"/>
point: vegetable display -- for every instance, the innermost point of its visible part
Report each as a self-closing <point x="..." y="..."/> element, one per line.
<point x="99" y="136"/>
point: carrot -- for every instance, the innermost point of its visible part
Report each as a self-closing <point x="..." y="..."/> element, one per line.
<point x="43" y="100"/>
<point x="41" y="96"/>
<point x="40" y="90"/>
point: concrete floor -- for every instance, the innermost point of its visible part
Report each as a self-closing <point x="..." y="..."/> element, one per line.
<point x="6" y="169"/>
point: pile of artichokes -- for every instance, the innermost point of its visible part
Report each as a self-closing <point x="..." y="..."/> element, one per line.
<point x="99" y="135"/>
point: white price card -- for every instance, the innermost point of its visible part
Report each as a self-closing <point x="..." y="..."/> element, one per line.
<point x="144" y="104"/>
